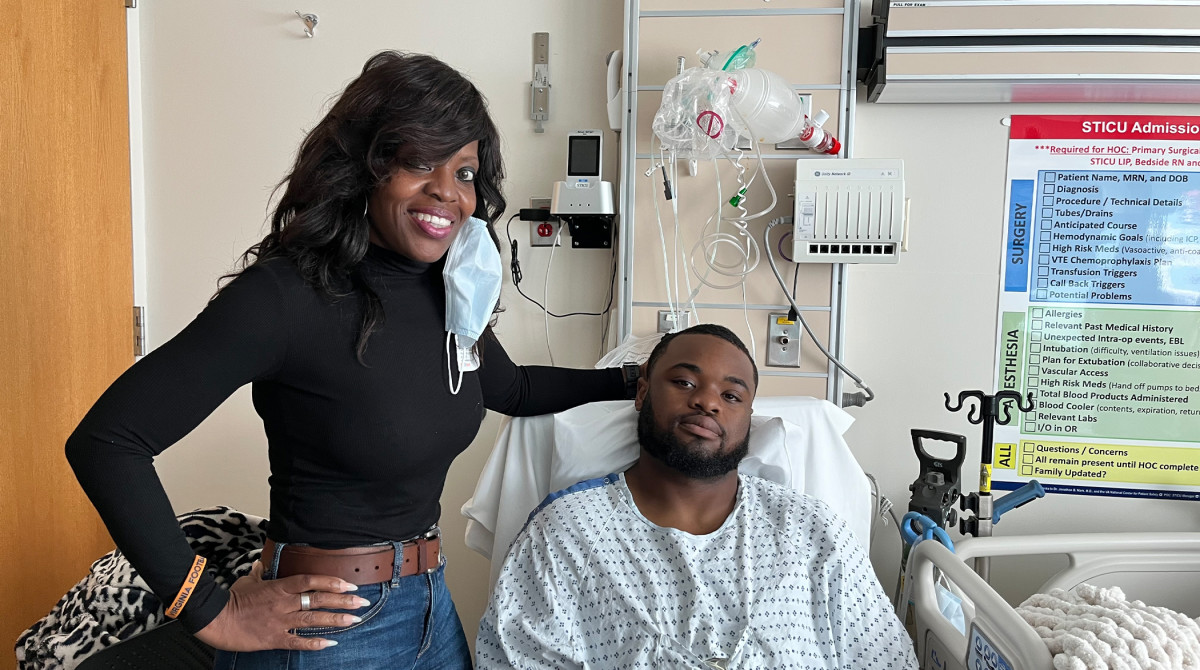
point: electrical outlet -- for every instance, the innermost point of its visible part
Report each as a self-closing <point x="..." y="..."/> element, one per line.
<point x="783" y="341"/>
<point x="543" y="233"/>
<point x="668" y="320"/>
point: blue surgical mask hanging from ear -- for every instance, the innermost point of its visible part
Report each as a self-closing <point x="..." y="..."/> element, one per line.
<point x="473" y="274"/>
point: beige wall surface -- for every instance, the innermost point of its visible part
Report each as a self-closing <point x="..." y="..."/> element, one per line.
<point x="228" y="92"/>
<point x="928" y="325"/>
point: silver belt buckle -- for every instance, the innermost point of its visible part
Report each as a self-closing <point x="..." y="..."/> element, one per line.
<point x="434" y="533"/>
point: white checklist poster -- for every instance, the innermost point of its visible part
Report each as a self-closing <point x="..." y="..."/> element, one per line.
<point x="1100" y="306"/>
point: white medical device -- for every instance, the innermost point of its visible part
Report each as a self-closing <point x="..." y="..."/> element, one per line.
<point x="849" y="211"/>
<point x="615" y="75"/>
<point x="583" y="200"/>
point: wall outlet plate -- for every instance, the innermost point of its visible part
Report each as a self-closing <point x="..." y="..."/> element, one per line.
<point x="677" y="320"/>
<point x="542" y="233"/>
<point x="783" y="341"/>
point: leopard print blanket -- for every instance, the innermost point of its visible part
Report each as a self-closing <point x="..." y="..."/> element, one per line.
<point x="113" y="603"/>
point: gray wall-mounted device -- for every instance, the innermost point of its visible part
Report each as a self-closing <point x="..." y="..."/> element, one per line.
<point x="583" y="200"/>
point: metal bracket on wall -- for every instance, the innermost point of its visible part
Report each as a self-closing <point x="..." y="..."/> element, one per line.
<point x="539" y="88"/>
<point x="130" y="4"/>
<point x="139" y="330"/>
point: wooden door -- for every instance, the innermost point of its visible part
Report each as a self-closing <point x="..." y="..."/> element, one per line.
<point x="66" y="304"/>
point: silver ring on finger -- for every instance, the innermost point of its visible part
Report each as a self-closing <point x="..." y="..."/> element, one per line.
<point x="305" y="602"/>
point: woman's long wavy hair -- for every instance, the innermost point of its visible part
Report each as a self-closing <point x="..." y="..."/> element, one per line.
<point x="404" y="110"/>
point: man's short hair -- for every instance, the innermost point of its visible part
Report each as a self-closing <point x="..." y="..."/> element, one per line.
<point x="702" y="329"/>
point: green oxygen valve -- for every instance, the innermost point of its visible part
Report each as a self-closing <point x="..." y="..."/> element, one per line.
<point x="741" y="57"/>
<point x="737" y="199"/>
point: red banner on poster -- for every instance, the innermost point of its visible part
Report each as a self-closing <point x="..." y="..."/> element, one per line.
<point x="1130" y="127"/>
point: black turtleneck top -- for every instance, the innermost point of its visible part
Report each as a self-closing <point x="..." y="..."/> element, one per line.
<point x="358" y="453"/>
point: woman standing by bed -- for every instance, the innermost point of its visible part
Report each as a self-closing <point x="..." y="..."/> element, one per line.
<point x="362" y="322"/>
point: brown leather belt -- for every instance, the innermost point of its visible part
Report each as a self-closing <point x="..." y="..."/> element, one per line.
<point x="358" y="565"/>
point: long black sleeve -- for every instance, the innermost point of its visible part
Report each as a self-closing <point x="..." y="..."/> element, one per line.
<point x="532" y="390"/>
<point x="238" y="338"/>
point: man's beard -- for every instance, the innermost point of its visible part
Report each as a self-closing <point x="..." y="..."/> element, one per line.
<point x="689" y="459"/>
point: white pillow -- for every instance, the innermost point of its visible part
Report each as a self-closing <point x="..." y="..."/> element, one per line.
<point x="804" y="451"/>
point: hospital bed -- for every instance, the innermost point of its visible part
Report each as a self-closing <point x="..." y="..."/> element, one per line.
<point x="795" y="441"/>
<point x="1161" y="569"/>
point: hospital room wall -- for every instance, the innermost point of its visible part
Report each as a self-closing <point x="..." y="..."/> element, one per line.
<point x="928" y="325"/>
<point x="228" y="92"/>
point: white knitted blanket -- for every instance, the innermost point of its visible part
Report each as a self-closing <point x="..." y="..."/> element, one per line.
<point x="1090" y="627"/>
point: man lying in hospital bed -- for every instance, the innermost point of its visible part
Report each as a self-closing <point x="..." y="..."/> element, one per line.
<point x="681" y="561"/>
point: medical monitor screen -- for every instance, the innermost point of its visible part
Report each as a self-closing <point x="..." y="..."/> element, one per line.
<point x="583" y="156"/>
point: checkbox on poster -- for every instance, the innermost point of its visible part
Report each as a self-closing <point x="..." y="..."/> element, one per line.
<point x="1041" y="294"/>
<point x="1044" y="260"/>
<point x="1035" y="348"/>
<point x="1048" y="188"/>
<point x="1043" y="271"/>
<point x="1043" y="248"/>
<point x="1046" y="215"/>
<point x="1035" y="336"/>
<point x="1048" y="201"/>
<point x="1026" y="459"/>
<point x="1044" y="235"/>
<point x="1031" y="382"/>
<point x="1043" y="282"/>
<point x="1037" y="312"/>
<point x="1034" y="359"/>
<point x="1026" y="470"/>
<point x="1036" y="325"/>
<point x="1051" y="176"/>
<point x="1034" y="371"/>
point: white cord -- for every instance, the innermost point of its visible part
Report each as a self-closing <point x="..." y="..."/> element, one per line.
<point x="749" y="329"/>
<point x="792" y="301"/>
<point x="742" y="239"/>
<point x="546" y="292"/>
<point x="679" y="255"/>
<point x="662" y="238"/>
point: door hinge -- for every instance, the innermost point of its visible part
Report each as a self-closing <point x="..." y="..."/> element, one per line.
<point x="130" y="4"/>
<point x="139" y="330"/>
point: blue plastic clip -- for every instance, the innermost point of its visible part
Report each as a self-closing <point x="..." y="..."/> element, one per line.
<point x="1027" y="493"/>
<point x="916" y="527"/>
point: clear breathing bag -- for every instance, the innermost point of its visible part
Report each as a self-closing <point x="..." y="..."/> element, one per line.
<point x="694" y="114"/>
<point x="704" y="111"/>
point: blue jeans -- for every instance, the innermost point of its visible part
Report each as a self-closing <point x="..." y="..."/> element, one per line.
<point x="410" y="623"/>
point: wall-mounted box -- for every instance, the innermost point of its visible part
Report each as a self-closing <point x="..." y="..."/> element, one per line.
<point x="1032" y="51"/>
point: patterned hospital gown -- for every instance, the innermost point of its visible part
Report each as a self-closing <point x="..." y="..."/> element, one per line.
<point x="591" y="583"/>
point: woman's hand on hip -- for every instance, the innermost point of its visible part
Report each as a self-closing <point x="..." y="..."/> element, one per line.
<point x="261" y="614"/>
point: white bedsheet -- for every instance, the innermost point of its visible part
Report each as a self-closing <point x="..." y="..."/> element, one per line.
<point x="795" y="441"/>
